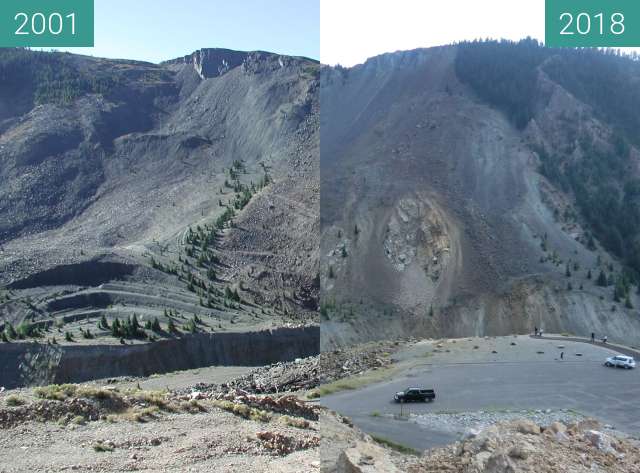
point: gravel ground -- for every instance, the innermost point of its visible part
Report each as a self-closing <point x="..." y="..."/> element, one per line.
<point x="517" y="348"/>
<point x="463" y="422"/>
<point x="211" y="441"/>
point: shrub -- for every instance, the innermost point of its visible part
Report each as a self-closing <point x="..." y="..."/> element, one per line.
<point x="78" y="420"/>
<point x="243" y="410"/>
<point x="10" y="331"/>
<point x="14" y="400"/>
<point x="100" y="446"/>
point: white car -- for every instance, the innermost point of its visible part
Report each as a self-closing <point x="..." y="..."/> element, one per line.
<point x="621" y="361"/>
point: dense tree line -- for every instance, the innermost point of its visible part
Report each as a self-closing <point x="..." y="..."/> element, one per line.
<point x="53" y="77"/>
<point x="505" y="74"/>
<point x="502" y="73"/>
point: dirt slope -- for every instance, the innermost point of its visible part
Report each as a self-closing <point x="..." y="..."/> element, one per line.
<point x="434" y="218"/>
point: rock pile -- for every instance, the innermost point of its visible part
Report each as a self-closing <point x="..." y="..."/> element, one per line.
<point x="524" y="446"/>
<point x="289" y="405"/>
<point x="355" y="360"/>
<point x="283" y="444"/>
<point x="308" y="373"/>
<point x="46" y="410"/>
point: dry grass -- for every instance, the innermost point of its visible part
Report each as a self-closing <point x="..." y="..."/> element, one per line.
<point x="15" y="401"/>
<point x="123" y="405"/>
<point x="100" y="446"/>
<point x="154" y="398"/>
<point x="78" y="420"/>
<point x="192" y="407"/>
<point x="243" y="410"/>
<point x="61" y="392"/>
<point x="353" y="382"/>
<point x="395" y="446"/>
<point x="294" y="422"/>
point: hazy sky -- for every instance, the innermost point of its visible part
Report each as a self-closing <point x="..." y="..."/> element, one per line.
<point x="156" y="30"/>
<point x="354" y="30"/>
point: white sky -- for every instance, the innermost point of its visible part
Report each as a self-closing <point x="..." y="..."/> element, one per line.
<point x="353" y="30"/>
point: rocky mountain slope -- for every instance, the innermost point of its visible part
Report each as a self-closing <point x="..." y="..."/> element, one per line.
<point x="142" y="201"/>
<point x="477" y="189"/>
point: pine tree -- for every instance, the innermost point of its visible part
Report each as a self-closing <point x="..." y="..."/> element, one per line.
<point x="135" y="326"/>
<point x="116" y="330"/>
<point x="11" y="331"/>
<point x="602" y="279"/>
<point x="104" y="323"/>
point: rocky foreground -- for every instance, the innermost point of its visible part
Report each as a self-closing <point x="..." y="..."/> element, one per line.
<point x="89" y="428"/>
<point x="523" y="446"/>
<point x="256" y="422"/>
<point x="512" y="447"/>
<point x="264" y="421"/>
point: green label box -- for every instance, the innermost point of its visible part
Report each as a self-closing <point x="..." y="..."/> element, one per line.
<point x="592" y="23"/>
<point x="46" y="23"/>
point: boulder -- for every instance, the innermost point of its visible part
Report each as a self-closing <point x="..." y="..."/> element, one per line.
<point x="365" y="457"/>
<point x="521" y="451"/>
<point x="525" y="426"/>
<point x="557" y="427"/>
<point x="500" y="463"/>
<point x="481" y="459"/>
<point x="599" y="440"/>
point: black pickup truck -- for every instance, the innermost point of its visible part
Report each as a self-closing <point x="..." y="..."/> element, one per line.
<point x="415" y="395"/>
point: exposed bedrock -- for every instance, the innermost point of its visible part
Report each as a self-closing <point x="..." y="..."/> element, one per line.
<point x="528" y="304"/>
<point x="88" y="273"/>
<point x="23" y="364"/>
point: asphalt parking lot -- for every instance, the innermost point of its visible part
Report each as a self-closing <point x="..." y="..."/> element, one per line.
<point x="470" y="376"/>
